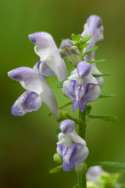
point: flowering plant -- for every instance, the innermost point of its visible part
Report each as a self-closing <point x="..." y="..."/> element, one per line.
<point x="74" y="65"/>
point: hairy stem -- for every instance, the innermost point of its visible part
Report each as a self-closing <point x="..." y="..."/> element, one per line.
<point x="81" y="179"/>
<point x="82" y="125"/>
<point x="81" y="173"/>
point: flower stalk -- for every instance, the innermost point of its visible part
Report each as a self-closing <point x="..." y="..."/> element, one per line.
<point x="81" y="173"/>
<point x="82" y="125"/>
<point x="74" y="65"/>
<point x="81" y="179"/>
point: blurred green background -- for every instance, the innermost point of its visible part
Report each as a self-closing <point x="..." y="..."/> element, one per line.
<point x="28" y="143"/>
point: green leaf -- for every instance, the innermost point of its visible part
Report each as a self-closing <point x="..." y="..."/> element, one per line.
<point x="105" y="118"/>
<point x="118" y="166"/>
<point x="85" y="39"/>
<point x="75" y="37"/>
<point x="98" y="61"/>
<point x="80" y="41"/>
<point x="56" y="170"/>
<point x="106" y="96"/>
<point x="101" y="75"/>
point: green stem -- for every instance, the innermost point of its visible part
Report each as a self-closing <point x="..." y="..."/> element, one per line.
<point x="82" y="125"/>
<point x="81" y="173"/>
<point x="81" y="179"/>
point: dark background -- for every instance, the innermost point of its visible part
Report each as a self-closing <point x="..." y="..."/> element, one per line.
<point x="28" y="143"/>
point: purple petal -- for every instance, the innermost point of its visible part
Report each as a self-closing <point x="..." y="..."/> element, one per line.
<point x="93" y="91"/>
<point x="72" y="87"/>
<point x="75" y="105"/>
<point x="61" y="149"/>
<point x="79" y="96"/>
<point x="94" y="28"/>
<point x="67" y="126"/>
<point x="80" y="153"/>
<point x="27" y="102"/>
<point x="41" y="39"/>
<point x="79" y="92"/>
<point x="82" y="105"/>
<point x="28" y="78"/>
<point x="21" y="73"/>
<point x="76" y="154"/>
<point x="35" y="37"/>
<point x="83" y="68"/>
<point x="43" y="69"/>
<point x="94" y="23"/>
<point x="69" y="164"/>
<point x="69" y="88"/>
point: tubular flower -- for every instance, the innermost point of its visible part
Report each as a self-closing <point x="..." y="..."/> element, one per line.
<point x="94" y="173"/>
<point x="70" y="146"/>
<point x="93" y="28"/>
<point x="69" y="52"/>
<point x="37" y="90"/>
<point x="97" y="177"/>
<point x="83" y="85"/>
<point x="48" y="52"/>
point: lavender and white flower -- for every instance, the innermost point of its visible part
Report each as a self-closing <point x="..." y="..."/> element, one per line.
<point x="83" y="85"/>
<point x="48" y="52"/>
<point x="66" y="43"/>
<point x="37" y="90"/>
<point x="94" y="173"/>
<point x="69" y="52"/>
<point x="70" y="146"/>
<point x="97" y="177"/>
<point x="93" y="28"/>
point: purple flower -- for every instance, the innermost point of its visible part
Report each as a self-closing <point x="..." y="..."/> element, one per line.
<point x="37" y="90"/>
<point x="94" y="173"/>
<point x="83" y="69"/>
<point x="66" y="43"/>
<point x="83" y="85"/>
<point x="48" y="52"/>
<point x="93" y="28"/>
<point x="70" y="146"/>
<point x="69" y="52"/>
